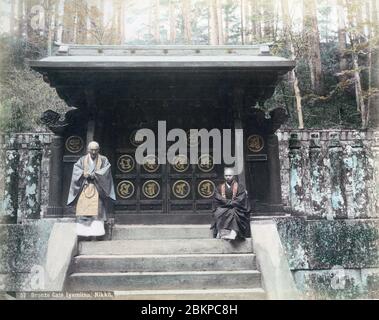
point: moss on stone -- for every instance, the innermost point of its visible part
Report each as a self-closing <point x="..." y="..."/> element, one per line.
<point x="347" y="243"/>
<point x="22" y="247"/>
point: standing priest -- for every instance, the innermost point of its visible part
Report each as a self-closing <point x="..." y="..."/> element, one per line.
<point x="232" y="209"/>
<point x="91" y="191"/>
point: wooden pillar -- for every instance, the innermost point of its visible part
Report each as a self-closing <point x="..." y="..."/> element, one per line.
<point x="91" y="107"/>
<point x="238" y="94"/>
<point x="55" y="208"/>
<point x="273" y="163"/>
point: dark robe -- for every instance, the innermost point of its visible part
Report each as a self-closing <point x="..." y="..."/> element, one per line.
<point x="103" y="182"/>
<point x="231" y="214"/>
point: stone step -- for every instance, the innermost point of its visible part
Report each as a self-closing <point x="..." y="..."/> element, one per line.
<point x="164" y="280"/>
<point x="138" y="232"/>
<point x="125" y="217"/>
<point x="205" y="294"/>
<point x="170" y="246"/>
<point x="160" y="263"/>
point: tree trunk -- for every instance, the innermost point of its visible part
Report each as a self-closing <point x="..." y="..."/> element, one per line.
<point x="81" y="23"/>
<point x="12" y="18"/>
<point x="69" y="21"/>
<point x="186" y="10"/>
<point x="313" y="35"/>
<point x="286" y="20"/>
<point x="373" y="101"/>
<point x="355" y="36"/>
<point x="122" y="22"/>
<point x="242" y="9"/>
<point x="359" y="92"/>
<point x="249" y="26"/>
<point x="374" y="18"/>
<point x="213" y="23"/>
<point x="20" y="18"/>
<point x="58" y="21"/>
<point x="172" y="18"/>
<point x="50" y="24"/>
<point x="28" y="27"/>
<point x="220" y="22"/>
<point x="292" y="78"/>
<point x="157" y="33"/>
<point x="256" y="21"/>
<point x="227" y="17"/>
<point x="341" y="34"/>
<point x="268" y="9"/>
<point x="299" y="107"/>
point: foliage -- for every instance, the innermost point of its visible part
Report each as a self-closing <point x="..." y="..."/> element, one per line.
<point x="346" y="92"/>
<point x="23" y="93"/>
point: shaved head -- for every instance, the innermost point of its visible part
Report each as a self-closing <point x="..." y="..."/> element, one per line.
<point x="229" y="174"/>
<point x="93" y="145"/>
<point x="93" y="149"/>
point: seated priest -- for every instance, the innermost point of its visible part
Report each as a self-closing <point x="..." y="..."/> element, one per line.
<point x="91" y="191"/>
<point x="231" y="213"/>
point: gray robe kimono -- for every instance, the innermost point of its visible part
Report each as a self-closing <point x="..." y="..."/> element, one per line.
<point x="103" y="182"/>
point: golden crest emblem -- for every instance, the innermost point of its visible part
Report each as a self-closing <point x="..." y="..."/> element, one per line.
<point x="151" y="164"/>
<point x="74" y="144"/>
<point x="205" y="163"/>
<point x="151" y="189"/>
<point x="181" y="163"/>
<point x="125" y="163"/>
<point x="181" y="189"/>
<point x="125" y="189"/>
<point x="206" y="189"/>
<point x="255" y="143"/>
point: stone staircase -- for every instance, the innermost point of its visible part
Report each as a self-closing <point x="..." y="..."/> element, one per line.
<point x="167" y="262"/>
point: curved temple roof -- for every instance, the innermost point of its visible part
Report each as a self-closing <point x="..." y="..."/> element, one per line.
<point x="161" y="72"/>
<point x="151" y="57"/>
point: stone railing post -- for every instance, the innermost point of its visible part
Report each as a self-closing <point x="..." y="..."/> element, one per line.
<point x="297" y="191"/>
<point x="348" y="180"/>
<point x="360" y="172"/>
<point x="372" y="171"/>
<point x="318" y="172"/>
<point x="11" y="178"/>
<point x="376" y="169"/>
<point x="336" y="174"/>
<point x="33" y="177"/>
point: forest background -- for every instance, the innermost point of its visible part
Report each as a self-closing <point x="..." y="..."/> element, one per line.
<point x="334" y="43"/>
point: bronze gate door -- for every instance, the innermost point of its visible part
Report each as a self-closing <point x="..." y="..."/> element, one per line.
<point x="153" y="192"/>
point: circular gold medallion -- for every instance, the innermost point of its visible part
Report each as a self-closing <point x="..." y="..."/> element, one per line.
<point x="125" y="163"/>
<point x="151" y="164"/>
<point x="125" y="189"/>
<point x="151" y="189"/>
<point x="205" y="163"/>
<point x="135" y="140"/>
<point x="181" y="189"/>
<point x="255" y="143"/>
<point x="181" y="163"/>
<point x="74" y="144"/>
<point x="206" y="188"/>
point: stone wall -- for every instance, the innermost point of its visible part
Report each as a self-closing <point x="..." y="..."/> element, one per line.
<point x="26" y="264"/>
<point x="330" y="173"/>
<point x="25" y="173"/>
<point x="23" y="249"/>
<point x="324" y="173"/>
<point x="332" y="259"/>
